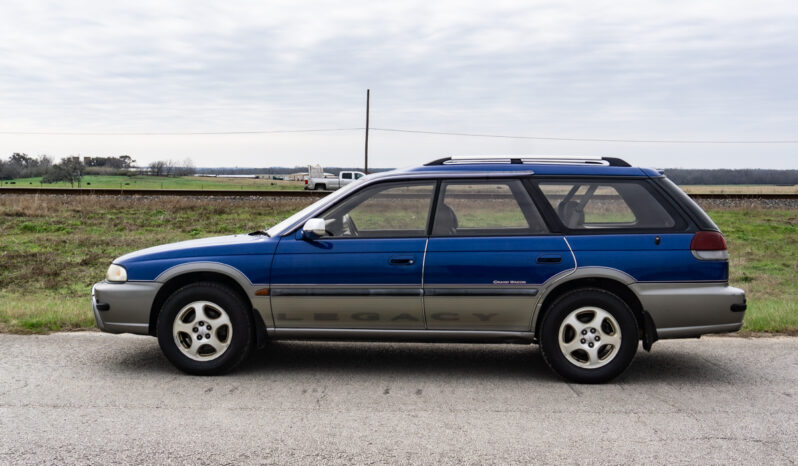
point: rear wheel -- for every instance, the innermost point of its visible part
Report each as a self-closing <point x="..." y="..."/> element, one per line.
<point x="320" y="187"/>
<point x="204" y="329"/>
<point x="589" y="335"/>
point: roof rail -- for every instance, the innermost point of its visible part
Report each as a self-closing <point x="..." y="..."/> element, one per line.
<point x="531" y="159"/>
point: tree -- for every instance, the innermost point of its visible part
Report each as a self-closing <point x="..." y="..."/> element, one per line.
<point x="127" y="161"/>
<point x="45" y="162"/>
<point x="23" y="161"/>
<point x="70" y="169"/>
<point x="157" y="168"/>
<point x="169" y="167"/>
<point x="8" y="171"/>
<point x="188" y="168"/>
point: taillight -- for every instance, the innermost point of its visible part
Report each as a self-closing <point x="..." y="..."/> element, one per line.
<point x="709" y="246"/>
<point x="306" y="181"/>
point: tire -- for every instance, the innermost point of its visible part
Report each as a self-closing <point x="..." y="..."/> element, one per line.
<point x="606" y="347"/>
<point x="225" y="318"/>
<point x="320" y="187"/>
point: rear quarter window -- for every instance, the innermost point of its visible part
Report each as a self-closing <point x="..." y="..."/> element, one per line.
<point x="602" y="204"/>
<point x="699" y="216"/>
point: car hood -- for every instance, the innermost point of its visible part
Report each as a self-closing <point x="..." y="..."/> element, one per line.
<point x="232" y="245"/>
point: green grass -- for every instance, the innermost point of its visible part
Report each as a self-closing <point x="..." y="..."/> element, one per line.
<point x="763" y="249"/>
<point x="53" y="248"/>
<point x="772" y="316"/>
<point x="43" y="313"/>
<point x="158" y="182"/>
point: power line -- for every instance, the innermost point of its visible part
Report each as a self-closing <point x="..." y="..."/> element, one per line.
<point x="657" y="141"/>
<point x="399" y="130"/>
<point x="192" y="133"/>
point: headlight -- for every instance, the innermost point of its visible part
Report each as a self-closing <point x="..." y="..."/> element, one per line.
<point x="116" y="273"/>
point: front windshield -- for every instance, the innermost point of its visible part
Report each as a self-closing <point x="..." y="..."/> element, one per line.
<point x="287" y="223"/>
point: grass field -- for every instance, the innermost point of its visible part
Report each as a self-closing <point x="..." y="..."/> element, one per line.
<point x="52" y="249"/>
<point x="159" y="182"/>
<point x="739" y="189"/>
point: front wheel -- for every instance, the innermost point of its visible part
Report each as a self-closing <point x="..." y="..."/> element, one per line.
<point x="589" y="336"/>
<point x="204" y="329"/>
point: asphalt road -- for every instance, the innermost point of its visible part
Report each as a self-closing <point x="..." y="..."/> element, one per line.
<point x="95" y="398"/>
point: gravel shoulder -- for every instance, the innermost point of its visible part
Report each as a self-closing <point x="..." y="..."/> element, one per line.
<point x="95" y="398"/>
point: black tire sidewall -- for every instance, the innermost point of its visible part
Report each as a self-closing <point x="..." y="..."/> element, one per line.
<point x="235" y="308"/>
<point x="574" y="300"/>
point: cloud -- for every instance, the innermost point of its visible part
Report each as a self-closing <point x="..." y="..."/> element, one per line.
<point x="658" y="70"/>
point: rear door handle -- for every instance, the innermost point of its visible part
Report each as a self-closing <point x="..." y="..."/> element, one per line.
<point x="403" y="260"/>
<point x="549" y="259"/>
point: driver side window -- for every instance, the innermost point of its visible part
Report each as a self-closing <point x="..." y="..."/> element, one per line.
<point x="388" y="210"/>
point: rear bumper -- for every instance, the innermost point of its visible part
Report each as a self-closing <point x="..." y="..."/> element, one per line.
<point x="123" y="307"/>
<point x="682" y="310"/>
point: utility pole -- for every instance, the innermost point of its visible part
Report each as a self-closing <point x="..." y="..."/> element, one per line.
<point x="366" y="168"/>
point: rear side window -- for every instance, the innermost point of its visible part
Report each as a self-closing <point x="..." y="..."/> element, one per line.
<point x="346" y="176"/>
<point x="474" y="208"/>
<point x="584" y="205"/>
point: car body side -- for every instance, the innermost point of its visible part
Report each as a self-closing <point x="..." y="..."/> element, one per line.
<point x="655" y="273"/>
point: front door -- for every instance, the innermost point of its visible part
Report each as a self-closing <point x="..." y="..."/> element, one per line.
<point x="366" y="273"/>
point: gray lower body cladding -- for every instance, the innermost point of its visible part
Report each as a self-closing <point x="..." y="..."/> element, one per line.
<point x="123" y="307"/>
<point x="683" y="310"/>
<point x="678" y="310"/>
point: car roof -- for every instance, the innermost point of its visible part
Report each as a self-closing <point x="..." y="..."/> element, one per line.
<point x="469" y="166"/>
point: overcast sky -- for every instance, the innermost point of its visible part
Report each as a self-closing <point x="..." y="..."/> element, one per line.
<point x="671" y="70"/>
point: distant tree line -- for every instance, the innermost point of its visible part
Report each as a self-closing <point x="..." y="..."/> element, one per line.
<point x="72" y="169"/>
<point x="123" y="162"/>
<point x="24" y="166"/>
<point x="171" y="168"/>
<point x="730" y="176"/>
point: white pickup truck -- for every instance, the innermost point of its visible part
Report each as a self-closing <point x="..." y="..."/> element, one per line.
<point x="324" y="183"/>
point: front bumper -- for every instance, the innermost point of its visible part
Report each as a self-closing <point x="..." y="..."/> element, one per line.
<point x="123" y="307"/>
<point x="682" y="310"/>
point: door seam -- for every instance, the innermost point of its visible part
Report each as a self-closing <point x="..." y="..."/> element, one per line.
<point x="423" y="269"/>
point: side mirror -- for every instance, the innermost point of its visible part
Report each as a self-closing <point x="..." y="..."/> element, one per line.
<point x="314" y="228"/>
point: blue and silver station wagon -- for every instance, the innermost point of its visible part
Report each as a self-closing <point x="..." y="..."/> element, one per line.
<point x="585" y="256"/>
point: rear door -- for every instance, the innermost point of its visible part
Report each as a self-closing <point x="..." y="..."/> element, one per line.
<point x="489" y="253"/>
<point x="627" y="225"/>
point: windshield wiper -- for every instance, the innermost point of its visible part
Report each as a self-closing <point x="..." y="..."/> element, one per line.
<point x="259" y="233"/>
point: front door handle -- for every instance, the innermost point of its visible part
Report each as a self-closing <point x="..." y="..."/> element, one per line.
<point x="403" y="260"/>
<point x="549" y="259"/>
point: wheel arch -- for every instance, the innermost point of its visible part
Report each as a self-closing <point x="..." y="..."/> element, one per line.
<point x="611" y="280"/>
<point x="184" y="274"/>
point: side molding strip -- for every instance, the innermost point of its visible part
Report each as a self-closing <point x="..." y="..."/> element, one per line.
<point x="346" y="292"/>
<point x="404" y="292"/>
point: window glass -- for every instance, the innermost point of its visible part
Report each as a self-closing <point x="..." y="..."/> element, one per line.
<point x="622" y="204"/>
<point x="383" y="211"/>
<point x="486" y="208"/>
<point x="358" y="176"/>
<point x="346" y="176"/>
